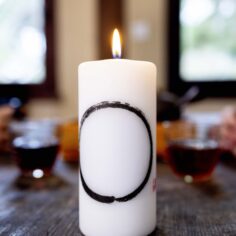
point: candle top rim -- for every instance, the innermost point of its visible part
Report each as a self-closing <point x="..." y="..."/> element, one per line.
<point x="118" y="60"/>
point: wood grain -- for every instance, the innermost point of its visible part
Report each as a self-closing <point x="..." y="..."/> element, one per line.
<point x="197" y="209"/>
<point x="52" y="208"/>
<point x="43" y="209"/>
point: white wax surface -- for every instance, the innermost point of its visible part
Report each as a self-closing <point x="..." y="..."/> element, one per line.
<point x="114" y="147"/>
<point x="116" y="150"/>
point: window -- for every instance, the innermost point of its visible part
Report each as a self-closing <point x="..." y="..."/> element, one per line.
<point x="202" y="46"/>
<point x="26" y="47"/>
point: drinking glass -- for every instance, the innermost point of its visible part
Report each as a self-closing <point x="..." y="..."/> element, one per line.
<point x="191" y="155"/>
<point x="36" y="149"/>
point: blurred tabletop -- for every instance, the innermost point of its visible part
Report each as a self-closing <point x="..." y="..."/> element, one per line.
<point x="40" y="207"/>
<point x="52" y="208"/>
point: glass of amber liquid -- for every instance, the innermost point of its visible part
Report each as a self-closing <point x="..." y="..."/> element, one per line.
<point x="36" y="150"/>
<point x="190" y="156"/>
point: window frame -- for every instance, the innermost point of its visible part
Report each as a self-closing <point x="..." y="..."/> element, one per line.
<point x="110" y="14"/>
<point x="178" y="86"/>
<point x="47" y="89"/>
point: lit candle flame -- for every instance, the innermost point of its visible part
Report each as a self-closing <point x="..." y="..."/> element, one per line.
<point x="116" y="44"/>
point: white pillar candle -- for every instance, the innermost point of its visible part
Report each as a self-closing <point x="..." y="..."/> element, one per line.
<point x="117" y="117"/>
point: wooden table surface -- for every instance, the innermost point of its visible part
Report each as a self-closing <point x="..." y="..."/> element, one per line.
<point x="52" y="209"/>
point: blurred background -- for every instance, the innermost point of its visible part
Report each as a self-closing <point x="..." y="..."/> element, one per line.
<point x="191" y="42"/>
<point x="42" y="43"/>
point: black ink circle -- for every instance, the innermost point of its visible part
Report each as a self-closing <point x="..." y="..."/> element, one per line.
<point x="139" y="113"/>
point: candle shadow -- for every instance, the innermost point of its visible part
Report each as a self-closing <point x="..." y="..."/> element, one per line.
<point x="157" y="232"/>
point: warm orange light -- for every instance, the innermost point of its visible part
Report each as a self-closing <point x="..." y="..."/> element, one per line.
<point x="116" y="44"/>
